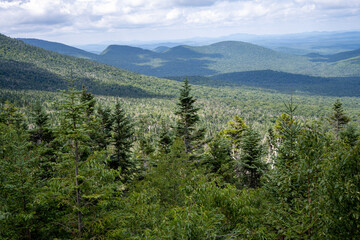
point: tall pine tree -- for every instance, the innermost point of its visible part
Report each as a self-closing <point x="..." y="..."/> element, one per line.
<point x="338" y="118"/>
<point x="188" y="118"/>
<point x="122" y="140"/>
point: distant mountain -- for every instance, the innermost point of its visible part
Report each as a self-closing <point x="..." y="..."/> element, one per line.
<point x="59" y="48"/>
<point x="222" y="57"/>
<point x="199" y="60"/>
<point x="23" y="66"/>
<point x="160" y="49"/>
<point x="300" y="43"/>
<point x="352" y="56"/>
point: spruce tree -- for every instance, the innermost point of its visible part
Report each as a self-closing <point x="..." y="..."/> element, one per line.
<point x="122" y="140"/>
<point x="41" y="131"/>
<point x="104" y="133"/>
<point x="188" y="118"/>
<point x="83" y="183"/>
<point x="89" y="100"/>
<point x="73" y="131"/>
<point x="10" y="115"/>
<point x="252" y="167"/>
<point x="235" y="134"/>
<point x="218" y="159"/>
<point x="20" y="185"/>
<point x="338" y="118"/>
<point x="165" y="139"/>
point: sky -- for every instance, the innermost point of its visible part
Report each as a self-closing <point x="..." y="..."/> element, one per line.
<point x="79" y="22"/>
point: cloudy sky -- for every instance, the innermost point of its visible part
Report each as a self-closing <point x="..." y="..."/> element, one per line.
<point x="95" y="21"/>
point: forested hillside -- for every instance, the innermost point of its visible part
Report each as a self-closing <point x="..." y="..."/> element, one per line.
<point x="219" y="58"/>
<point x="244" y="155"/>
<point x="36" y="68"/>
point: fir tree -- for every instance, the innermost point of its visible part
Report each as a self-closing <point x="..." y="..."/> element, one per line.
<point x="235" y="134"/>
<point x="252" y="167"/>
<point x="106" y="122"/>
<point x="10" y="115"/>
<point x="83" y="182"/>
<point x="122" y="140"/>
<point x="20" y="185"/>
<point x="338" y="118"/>
<point x="188" y="118"/>
<point x="73" y="131"/>
<point x="165" y="139"/>
<point x="89" y="100"/>
<point x="218" y="159"/>
<point x="41" y="131"/>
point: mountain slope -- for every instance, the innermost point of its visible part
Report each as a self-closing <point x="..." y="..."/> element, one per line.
<point x="343" y="56"/>
<point x="28" y="67"/>
<point x="222" y="57"/>
<point x="282" y="82"/>
<point x="59" y="48"/>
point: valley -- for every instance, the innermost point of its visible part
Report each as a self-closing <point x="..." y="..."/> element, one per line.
<point x="223" y="141"/>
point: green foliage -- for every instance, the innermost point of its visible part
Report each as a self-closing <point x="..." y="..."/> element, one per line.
<point x="103" y="137"/>
<point x="122" y="141"/>
<point x="338" y="118"/>
<point x="20" y="185"/>
<point x="165" y="139"/>
<point x="235" y="133"/>
<point x="61" y="186"/>
<point x="217" y="158"/>
<point x="342" y="191"/>
<point x="188" y="118"/>
<point x="250" y="164"/>
<point x="82" y="182"/>
<point x="10" y="115"/>
<point x="350" y="135"/>
<point x="41" y="131"/>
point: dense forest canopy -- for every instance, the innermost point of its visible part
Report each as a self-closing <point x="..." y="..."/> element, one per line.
<point x="152" y="158"/>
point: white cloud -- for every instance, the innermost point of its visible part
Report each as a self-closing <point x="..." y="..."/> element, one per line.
<point x="114" y="15"/>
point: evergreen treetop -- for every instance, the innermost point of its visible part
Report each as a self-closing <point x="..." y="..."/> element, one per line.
<point x="188" y="118"/>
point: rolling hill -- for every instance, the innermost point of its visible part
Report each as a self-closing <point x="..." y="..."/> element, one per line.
<point x="28" y="67"/>
<point x="343" y="56"/>
<point x="219" y="58"/>
<point x="59" y="48"/>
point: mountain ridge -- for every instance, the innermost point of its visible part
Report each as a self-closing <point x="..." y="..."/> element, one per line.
<point x="224" y="57"/>
<point x="27" y="67"/>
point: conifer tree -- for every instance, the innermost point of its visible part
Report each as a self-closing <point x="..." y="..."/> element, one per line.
<point x="83" y="183"/>
<point x="165" y="139"/>
<point x="338" y="118"/>
<point x="106" y="122"/>
<point x="89" y="100"/>
<point x="73" y="131"/>
<point x="218" y="159"/>
<point x="252" y="167"/>
<point x="10" y="115"/>
<point x="188" y="118"/>
<point x="41" y="131"/>
<point x="122" y="140"/>
<point x="20" y="184"/>
<point x="235" y="134"/>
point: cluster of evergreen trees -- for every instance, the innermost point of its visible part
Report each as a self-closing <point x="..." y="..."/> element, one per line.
<point x="80" y="177"/>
